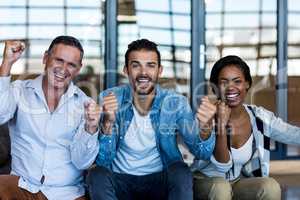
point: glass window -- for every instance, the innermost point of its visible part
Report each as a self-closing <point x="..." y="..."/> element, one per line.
<point x="84" y="16"/>
<point x="238" y="5"/>
<point x="269" y="5"/>
<point x="9" y="16"/>
<point x="213" y="21"/>
<point x="45" y="32"/>
<point x="181" y="22"/>
<point x="46" y="3"/>
<point x="293" y="5"/>
<point x="85" y="3"/>
<point x="12" y="32"/>
<point x="12" y="2"/>
<point x="181" y="6"/>
<point x="241" y="20"/>
<point x="162" y="5"/>
<point x="147" y="19"/>
<point x="42" y="16"/>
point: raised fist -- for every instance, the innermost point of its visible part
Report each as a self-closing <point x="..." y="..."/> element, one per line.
<point x="110" y="106"/>
<point x="92" y="113"/>
<point x="12" y="52"/>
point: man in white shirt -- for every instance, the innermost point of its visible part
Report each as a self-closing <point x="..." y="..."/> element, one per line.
<point x="44" y="115"/>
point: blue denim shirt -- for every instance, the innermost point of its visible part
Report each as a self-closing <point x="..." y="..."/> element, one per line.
<point x="170" y="114"/>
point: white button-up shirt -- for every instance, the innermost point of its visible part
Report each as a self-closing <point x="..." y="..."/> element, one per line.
<point x="44" y="146"/>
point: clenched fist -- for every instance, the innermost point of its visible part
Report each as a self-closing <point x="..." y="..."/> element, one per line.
<point x="12" y="52"/>
<point x="205" y="114"/>
<point x="223" y="117"/>
<point x="110" y="107"/>
<point x="92" y="113"/>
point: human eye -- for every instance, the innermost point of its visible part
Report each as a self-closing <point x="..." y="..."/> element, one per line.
<point x="58" y="60"/>
<point x="151" y="65"/>
<point x="223" y="83"/>
<point x="72" y="65"/>
<point x="238" y="81"/>
<point x="134" y="65"/>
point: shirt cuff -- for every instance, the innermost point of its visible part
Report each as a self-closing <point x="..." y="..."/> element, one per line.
<point x="209" y="140"/>
<point x="89" y="139"/>
<point x="4" y="83"/>
<point x="223" y="167"/>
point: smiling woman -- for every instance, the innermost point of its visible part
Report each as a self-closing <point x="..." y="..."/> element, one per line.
<point x="239" y="166"/>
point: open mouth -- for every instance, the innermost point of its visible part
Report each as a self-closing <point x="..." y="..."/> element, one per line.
<point x="59" y="75"/>
<point x="231" y="96"/>
<point x="143" y="81"/>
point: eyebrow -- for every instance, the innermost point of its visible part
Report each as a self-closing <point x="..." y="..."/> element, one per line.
<point x="235" y="78"/>
<point x="135" y="61"/>
<point x="147" y="62"/>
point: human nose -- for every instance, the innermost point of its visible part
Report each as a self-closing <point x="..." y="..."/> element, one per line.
<point x="143" y="69"/>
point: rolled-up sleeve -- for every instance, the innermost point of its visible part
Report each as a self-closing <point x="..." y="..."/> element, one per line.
<point x="221" y="167"/>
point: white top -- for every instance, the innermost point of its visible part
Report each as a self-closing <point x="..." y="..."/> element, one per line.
<point x="274" y="128"/>
<point x="138" y="154"/>
<point x="41" y="141"/>
<point x="240" y="156"/>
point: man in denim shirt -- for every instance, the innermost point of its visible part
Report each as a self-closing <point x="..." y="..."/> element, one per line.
<point x="138" y="154"/>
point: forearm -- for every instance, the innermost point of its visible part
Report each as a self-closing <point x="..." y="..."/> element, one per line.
<point x="5" y="68"/>
<point x="221" y="152"/>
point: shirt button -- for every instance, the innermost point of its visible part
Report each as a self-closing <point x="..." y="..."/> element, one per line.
<point x="109" y="141"/>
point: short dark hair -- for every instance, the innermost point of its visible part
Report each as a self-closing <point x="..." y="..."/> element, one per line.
<point x="67" y="40"/>
<point x="140" y="45"/>
<point x="226" y="61"/>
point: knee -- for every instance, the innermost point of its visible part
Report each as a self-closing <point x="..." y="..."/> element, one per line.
<point x="98" y="175"/>
<point x="220" y="189"/>
<point x="180" y="173"/>
<point x="214" y="188"/>
<point x="269" y="189"/>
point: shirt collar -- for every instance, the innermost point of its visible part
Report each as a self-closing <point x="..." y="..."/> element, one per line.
<point x="36" y="84"/>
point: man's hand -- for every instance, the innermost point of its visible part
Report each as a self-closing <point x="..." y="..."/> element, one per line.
<point x="110" y="106"/>
<point x="205" y="114"/>
<point x="223" y="117"/>
<point x="12" y="52"/>
<point x="92" y="115"/>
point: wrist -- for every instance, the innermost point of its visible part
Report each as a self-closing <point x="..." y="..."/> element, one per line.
<point x="91" y="129"/>
<point x="5" y="68"/>
<point x="106" y="127"/>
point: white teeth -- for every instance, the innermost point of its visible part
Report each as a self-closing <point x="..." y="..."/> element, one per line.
<point x="231" y="95"/>
<point x="60" y="76"/>
<point x="143" y="80"/>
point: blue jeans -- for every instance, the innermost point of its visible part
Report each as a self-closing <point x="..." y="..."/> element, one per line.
<point x="174" y="183"/>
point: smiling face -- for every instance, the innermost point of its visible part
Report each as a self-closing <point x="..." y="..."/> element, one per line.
<point x="143" y="71"/>
<point x="233" y="85"/>
<point x="62" y="64"/>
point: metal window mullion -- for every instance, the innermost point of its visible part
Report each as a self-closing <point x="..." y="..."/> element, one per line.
<point x="282" y="77"/>
<point x="110" y="58"/>
<point x="198" y="51"/>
